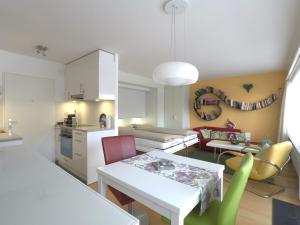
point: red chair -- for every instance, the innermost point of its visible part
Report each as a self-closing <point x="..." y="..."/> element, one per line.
<point x="115" y="149"/>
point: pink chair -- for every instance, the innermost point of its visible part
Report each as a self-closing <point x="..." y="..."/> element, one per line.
<point x="116" y="149"/>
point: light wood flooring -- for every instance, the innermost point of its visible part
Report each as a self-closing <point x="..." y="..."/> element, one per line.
<point x="254" y="210"/>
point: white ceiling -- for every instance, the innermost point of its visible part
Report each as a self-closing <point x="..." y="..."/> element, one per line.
<point x="225" y="37"/>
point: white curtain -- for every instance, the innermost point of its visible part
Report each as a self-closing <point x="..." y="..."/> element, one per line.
<point x="290" y="108"/>
<point x="282" y="134"/>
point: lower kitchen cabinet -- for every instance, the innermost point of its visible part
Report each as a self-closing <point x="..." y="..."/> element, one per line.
<point x="87" y="154"/>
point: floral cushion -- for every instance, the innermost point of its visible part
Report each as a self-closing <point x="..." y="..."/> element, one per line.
<point x="205" y="133"/>
<point x="215" y="135"/>
<point x="240" y="136"/>
<point x="223" y="135"/>
<point x="231" y="136"/>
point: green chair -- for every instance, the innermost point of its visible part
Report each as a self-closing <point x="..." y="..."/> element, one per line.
<point x="225" y="212"/>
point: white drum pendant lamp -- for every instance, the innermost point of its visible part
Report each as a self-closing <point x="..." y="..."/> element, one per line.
<point x="175" y="73"/>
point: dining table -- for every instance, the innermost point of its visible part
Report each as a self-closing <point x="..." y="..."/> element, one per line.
<point x="169" y="184"/>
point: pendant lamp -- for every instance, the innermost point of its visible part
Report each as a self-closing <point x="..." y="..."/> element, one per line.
<point x="175" y="73"/>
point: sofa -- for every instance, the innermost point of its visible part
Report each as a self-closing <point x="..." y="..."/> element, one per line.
<point x="203" y="141"/>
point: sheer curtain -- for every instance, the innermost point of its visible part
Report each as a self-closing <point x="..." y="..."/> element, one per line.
<point x="293" y="110"/>
<point x="290" y="113"/>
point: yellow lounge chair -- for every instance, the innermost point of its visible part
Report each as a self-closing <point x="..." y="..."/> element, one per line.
<point x="267" y="166"/>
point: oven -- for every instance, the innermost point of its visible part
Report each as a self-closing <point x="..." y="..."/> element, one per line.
<point x="66" y="148"/>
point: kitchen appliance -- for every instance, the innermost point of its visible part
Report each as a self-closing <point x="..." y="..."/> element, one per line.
<point x="102" y="120"/>
<point x="71" y="120"/>
<point x="66" y="148"/>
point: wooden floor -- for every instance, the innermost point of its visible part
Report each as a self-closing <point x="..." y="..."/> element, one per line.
<point x="253" y="209"/>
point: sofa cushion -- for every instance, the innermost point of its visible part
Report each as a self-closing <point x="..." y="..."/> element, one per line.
<point x="223" y="135"/>
<point x="231" y="136"/>
<point x="240" y="136"/>
<point x="205" y="133"/>
<point x="215" y="134"/>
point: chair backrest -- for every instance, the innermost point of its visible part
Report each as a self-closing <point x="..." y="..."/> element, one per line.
<point x="277" y="154"/>
<point x="117" y="148"/>
<point x="230" y="204"/>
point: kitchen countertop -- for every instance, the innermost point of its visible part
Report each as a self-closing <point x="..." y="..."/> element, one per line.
<point x="34" y="191"/>
<point x="8" y="136"/>
<point x="85" y="128"/>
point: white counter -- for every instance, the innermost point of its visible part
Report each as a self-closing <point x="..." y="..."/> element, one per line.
<point x="33" y="191"/>
<point x="9" y="139"/>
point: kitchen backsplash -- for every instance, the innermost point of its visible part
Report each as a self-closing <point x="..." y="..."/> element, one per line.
<point x="87" y="112"/>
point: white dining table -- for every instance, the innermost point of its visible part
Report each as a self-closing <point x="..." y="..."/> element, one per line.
<point x="168" y="197"/>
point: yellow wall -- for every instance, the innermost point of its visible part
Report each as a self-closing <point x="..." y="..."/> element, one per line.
<point x="261" y="123"/>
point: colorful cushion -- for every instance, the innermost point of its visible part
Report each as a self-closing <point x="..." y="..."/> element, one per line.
<point x="240" y="136"/>
<point x="223" y="135"/>
<point x="205" y="133"/>
<point x="231" y="136"/>
<point x="215" y="134"/>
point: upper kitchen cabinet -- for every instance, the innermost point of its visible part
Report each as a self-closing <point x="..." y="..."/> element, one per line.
<point x="92" y="77"/>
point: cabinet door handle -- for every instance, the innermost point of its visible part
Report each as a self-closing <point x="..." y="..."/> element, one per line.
<point x="77" y="141"/>
<point x="78" y="154"/>
<point x="77" y="133"/>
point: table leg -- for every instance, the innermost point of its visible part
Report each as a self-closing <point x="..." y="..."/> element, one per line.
<point x="101" y="186"/>
<point x="215" y="150"/>
<point x="220" y="187"/>
<point x="177" y="219"/>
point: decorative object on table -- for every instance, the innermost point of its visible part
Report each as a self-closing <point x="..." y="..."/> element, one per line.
<point x="230" y="124"/>
<point x="163" y="164"/>
<point x="102" y="120"/>
<point x="247" y="138"/>
<point x="175" y="73"/>
<point x="235" y="142"/>
<point x="248" y="87"/>
<point x="265" y="144"/>
<point x="243" y="106"/>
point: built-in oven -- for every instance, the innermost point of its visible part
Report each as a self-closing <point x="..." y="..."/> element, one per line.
<point x="66" y="148"/>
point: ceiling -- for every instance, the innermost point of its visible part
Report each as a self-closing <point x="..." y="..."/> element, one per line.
<point x="228" y="37"/>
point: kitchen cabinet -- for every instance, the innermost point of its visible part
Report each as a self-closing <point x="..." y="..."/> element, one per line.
<point x="87" y="154"/>
<point x="92" y="77"/>
<point x="57" y="143"/>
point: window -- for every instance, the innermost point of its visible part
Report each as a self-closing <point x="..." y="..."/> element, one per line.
<point x="293" y="108"/>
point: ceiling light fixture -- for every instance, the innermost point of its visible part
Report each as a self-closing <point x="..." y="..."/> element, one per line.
<point x="41" y="50"/>
<point x="175" y="73"/>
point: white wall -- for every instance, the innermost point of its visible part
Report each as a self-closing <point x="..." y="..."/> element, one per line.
<point x="177" y="107"/>
<point x="156" y="92"/>
<point x="25" y="65"/>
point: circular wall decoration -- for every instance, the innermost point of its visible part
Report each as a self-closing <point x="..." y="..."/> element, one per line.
<point x="200" y="101"/>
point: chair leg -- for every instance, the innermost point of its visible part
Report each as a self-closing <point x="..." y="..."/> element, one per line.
<point x="267" y="195"/>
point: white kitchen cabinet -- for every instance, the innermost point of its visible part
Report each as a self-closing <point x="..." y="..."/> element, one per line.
<point x="87" y="154"/>
<point x="93" y="76"/>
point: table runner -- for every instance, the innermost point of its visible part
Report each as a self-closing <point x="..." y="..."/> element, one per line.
<point x="205" y="180"/>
